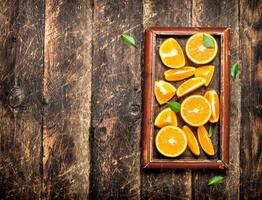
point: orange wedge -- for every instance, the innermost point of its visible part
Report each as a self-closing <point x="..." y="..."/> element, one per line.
<point x="166" y="117"/>
<point x="206" y="72"/>
<point x="164" y="91"/>
<point x="172" y="54"/>
<point x="190" y="85"/>
<point x="197" y="52"/>
<point x="191" y="140"/>
<point x="179" y="74"/>
<point x="213" y="100"/>
<point x="205" y="141"/>
<point x="171" y="141"/>
<point x="195" y="110"/>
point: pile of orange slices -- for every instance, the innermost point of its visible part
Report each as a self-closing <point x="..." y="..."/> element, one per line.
<point x="196" y="110"/>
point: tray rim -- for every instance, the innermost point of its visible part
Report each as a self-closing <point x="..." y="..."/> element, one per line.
<point x="150" y="39"/>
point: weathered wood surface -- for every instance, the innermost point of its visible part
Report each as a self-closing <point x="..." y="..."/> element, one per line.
<point x="21" y="64"/>
<point x="251" y="104"/>
<point x="54" y="54"/>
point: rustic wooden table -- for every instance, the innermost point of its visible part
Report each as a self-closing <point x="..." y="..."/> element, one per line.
<point x="71" y="94"/>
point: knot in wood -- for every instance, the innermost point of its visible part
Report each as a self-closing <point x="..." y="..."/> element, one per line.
<point x="15" y="97"/>
<point x="134" y="109"/>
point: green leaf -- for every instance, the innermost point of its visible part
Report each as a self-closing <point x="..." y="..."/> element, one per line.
<point x="215" y="180"/>
<point x="234" y="70"/>
<point x="128" y="40"/>
<point x="175" y="106"/>
<point x="210" y="131"/>
<point x="208" y="41"/>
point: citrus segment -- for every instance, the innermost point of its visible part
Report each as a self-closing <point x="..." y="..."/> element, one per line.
<point x="190" y="85"/>
<point x="205" y="141"/>
<point x="171" y="141"/>
<point x="166" y="117"/>
<point x="213" y="100"/>
<point x="191" y="140"/>
<point x="196" y="50"/>
<point x="206" y="72"/>
<point x="172" y="54"/>
<point x="164" y="91"/>
<point x="179" y="74"/>
<point x="195" y="110"/>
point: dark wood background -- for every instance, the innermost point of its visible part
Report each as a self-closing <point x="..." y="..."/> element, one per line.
<point x="71" y="96"/>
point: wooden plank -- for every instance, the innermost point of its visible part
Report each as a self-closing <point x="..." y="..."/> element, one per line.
<point x="67" y="86"/>
<point x="21" y="62"/>
<point x="166" y="184"/>
<point x="251" y="77"/>
<point x="116" y="101"/>
<point x="222" y="13"/>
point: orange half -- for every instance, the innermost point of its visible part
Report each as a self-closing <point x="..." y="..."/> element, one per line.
<point x="191" y="140"/>
<point x="172" y="54"/>
<point x="206" y="72"/>
<point x="195" y="110"/>
<point x="213" y="100"/>
<point x="179" y="74"/>
<point x="190" y="85"/>
<point x="171" y="141"/>
<point x="166" y="117"/>
<point x="164" y="91"/>
<point x="197" y="52"/>
<point x="205" y="141"/>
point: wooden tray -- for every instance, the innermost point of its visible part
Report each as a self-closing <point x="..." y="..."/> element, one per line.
<point x="154" y="71"/>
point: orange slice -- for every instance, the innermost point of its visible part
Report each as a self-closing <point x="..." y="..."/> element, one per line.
<point x="213" y="100"/>
<point x="164" y="91"/>
<point x="191" y="140"/>
<point x="195" y="110"/>
<point x="171" y="141"/>
<point x="206" y="72"/>
<point x="190" y="85"/>
<point x="205" y="141"/>
<point x="166" y="117"/>
<point x="172" y="54"/>
<point x="179" y="74"/>
<point x="197" y="52"/>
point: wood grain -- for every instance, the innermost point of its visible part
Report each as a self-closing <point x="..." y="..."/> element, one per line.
<point x="251" y="79"/>
<point x="67" y="95"/>
<point x="222" y="13"/>
<point x="21" y="62"/>
<point x="116" y="102"/>
<point x="166" y="184"/>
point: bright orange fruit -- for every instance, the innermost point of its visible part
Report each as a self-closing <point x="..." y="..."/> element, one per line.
<point x="213" y="100"/>
<point x="166" y="117"/>
<point x="171" y="141"/>
<point x="164" y="91"/>
<point x="191" y="140"/>
<point x="179" y="74"/>
<point x="195" y="110"/>
<point x="190" y="85"/>
<point x="206" y="72"/>
<point x="205" y="141"/>
<point x="197" y="52"/>
<point x="172" y="54"/>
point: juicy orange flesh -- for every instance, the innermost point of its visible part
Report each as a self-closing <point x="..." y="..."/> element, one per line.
<point x="172" y="54"/>
<point x="196" y="110"/>
<point x="205" y="141"/>
<point x="206" y="72"/>
<point x="191" y="140"/>
<point x="213" y="99"/>
<point x="166" y="117"/>
<point x="198" y="51"/>
<point x="170" y="141"/>
<point x="190" y="85"/>
<point x="179" y="74"/>
<point x="164" y="91"/>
